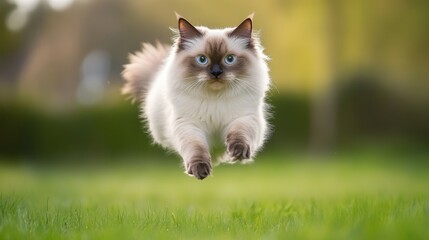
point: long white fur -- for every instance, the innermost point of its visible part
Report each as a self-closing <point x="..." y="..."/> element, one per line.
<point x="178" y="116"/>
<point x="183" y="113"/>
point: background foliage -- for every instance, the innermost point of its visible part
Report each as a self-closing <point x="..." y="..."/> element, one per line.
<point x="345" y="73"/>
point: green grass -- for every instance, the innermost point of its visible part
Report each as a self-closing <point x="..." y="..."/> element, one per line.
<point x="294" y="197"/>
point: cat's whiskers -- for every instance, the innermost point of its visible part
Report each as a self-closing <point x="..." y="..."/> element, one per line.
<point x="247" y="87"/>
<point x="192" y="85"/>
<point x="235" y="88"/>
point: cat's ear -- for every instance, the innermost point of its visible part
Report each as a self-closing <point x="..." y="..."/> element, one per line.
<point x="186" y="29"/>
<point x="244" y="30"/>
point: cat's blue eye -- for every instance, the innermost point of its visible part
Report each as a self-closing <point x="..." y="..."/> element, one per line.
<point x="230" y="59"/>
<point x="202" y="59"/>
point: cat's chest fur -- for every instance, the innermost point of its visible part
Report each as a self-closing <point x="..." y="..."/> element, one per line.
<point x="211" y="113"/>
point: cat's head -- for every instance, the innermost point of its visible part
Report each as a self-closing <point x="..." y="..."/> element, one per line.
<point x="217" y="58"/>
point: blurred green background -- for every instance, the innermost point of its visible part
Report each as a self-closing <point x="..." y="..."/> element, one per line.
<point x="347" y="75"/>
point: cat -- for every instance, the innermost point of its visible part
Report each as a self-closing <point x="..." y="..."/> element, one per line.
<point x="210" y="84"/>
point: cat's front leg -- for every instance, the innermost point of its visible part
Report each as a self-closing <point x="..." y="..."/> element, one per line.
<point x="199" y="165"/>
<point x="192" y="146"/>
<point x="243" y="137"/>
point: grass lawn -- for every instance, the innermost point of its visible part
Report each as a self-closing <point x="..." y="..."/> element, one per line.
<point x="359" y="197"/>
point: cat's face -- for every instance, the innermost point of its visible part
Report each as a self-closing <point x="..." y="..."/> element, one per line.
<point x="215" y="58"/>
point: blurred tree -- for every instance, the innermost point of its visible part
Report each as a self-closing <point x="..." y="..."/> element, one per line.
<point x="10" y="47"/>
<point x="324" y="104"/>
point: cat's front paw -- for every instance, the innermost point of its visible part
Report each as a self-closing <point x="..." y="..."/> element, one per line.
<point x="238" y="150"/>
<point x="199" y="169"/>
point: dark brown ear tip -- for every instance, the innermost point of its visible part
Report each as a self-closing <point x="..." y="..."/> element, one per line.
<point x="250" y="21"/>
<point x="182" y="20"/>
<point x="186" y="29"/>
<point x="182" y="23"/>
<point x="247" y="24"/>
<point x="244" y="30"/>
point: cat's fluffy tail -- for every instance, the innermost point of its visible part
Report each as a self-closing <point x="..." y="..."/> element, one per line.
<point x="143" y="65"/>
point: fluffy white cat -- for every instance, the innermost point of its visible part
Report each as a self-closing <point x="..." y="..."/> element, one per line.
<point x="210" y="85"/>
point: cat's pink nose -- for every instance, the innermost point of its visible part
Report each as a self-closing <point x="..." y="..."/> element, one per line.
<point x="216" y="70"/>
